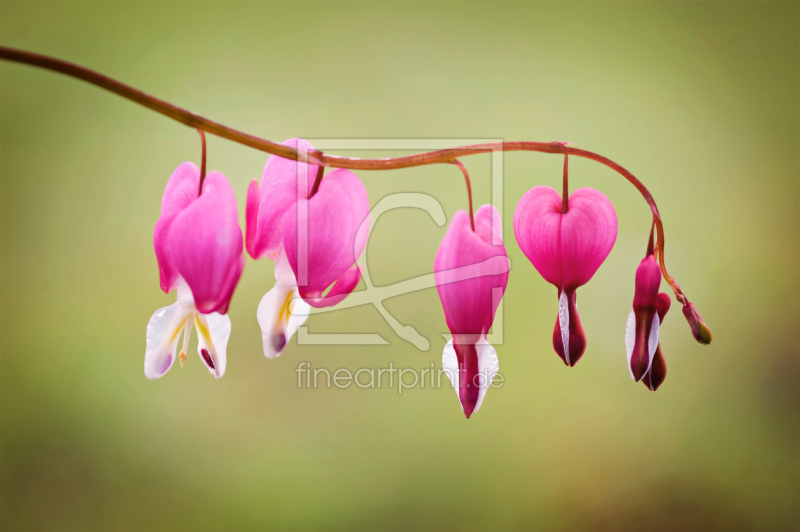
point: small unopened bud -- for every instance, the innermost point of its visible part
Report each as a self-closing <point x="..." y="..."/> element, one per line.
<point x="700" y="330"/>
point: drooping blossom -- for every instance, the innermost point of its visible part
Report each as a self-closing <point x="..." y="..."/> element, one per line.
<point x="644" y="321"/>
<point x="566" y="249"/>
<point x="324" y="235"/>
<point x="314" y="240"/>
<point x="283" y="183"/>
<point x="657" y="372"/>
<point x="471" y="273"/>
<point x="198" y="245"/>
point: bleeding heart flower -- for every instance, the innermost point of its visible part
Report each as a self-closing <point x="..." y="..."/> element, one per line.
<point x="198" y="246"/>
<point x="658" y="368"/>
<point x="641" y="336"/>
<point x="471" y="273"/>
<point x="316" y="236"/>
<point x="566" y="249"/>
<point x="323" y="237"/>
<point x="284" y="181"/>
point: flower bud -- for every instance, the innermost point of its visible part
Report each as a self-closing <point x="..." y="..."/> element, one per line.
<point x="641" y="337"/>
<point x="700" y="330"/>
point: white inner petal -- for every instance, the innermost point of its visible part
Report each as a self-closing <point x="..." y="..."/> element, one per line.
<point x="630" y="339"/>
<point x="280" y="313"/>
<point x="163" y="332"/>
<point x="187" y="329"/>
<point x="213" y="332"/>
<point x="652" y="342"/>
<point x="299" y="311"/>
<point x="488" y="366"/>
<point x="185" y="296"/>
<point x="563" y="322"/>
<point x="450" y="364"/>
<point x="283" y="270"/>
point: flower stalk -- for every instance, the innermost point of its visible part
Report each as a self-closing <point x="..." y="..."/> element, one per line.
<point x="565" y="185"/>
<point x="450" y="155"/>
<point x="202" y="161"/>
<point x="467" y="182"/>
<point x="317" y="181"/>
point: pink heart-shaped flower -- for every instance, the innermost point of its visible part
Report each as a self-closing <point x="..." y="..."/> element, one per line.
<point x="566" y="249"/>
<point x="324" y="235"/>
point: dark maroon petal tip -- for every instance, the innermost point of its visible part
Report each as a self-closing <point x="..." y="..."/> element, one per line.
<point x="207" y="359"/>
<point x="658" y="372"/>
<point x="577" y="338"/>
<point x="279" y="342"/>
<point x="469" y="391"/>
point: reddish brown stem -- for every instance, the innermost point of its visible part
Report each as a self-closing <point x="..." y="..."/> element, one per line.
<point x="202" y="161"/>
<point x="317" y="181"/>
<point x="463" y="169"/>
<point x="565" y="184"/>
<point x="316" y="157"/>
<point x="650" y="242"/>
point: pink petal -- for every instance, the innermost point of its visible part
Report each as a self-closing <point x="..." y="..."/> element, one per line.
<point x="206" y="243"/>
<point x="664" y="302"/>
<point x="566" y="249"/>
<point x="228" y="287"/>
<point x="283" y="183"/>
<point x="340" y="289"/>
<point x="251" y="217"/>
<point x="471" y="274"/>
<point x="180" y="191"/>
<point x="322" y="239"/>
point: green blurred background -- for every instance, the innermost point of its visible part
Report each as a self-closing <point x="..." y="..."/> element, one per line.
<point x="700" y="100"/>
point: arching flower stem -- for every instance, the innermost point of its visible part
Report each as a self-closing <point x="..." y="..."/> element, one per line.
<point x="317" y="157"/>
<point x="463" y="169"/>
<point x="202" y="161"/>
<point x="565" y="190"/>
<point x="317" y="181"/>
<point x="650" y="242"/>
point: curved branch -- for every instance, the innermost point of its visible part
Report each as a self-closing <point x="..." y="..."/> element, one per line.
<point x="151" y="102"/>
<point x="467" y="182"/>
<point x="317" y="157"/>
